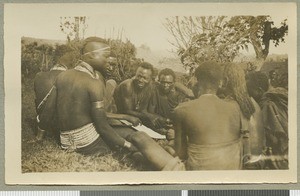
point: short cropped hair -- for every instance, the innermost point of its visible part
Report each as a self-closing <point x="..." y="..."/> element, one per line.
<point x="257" y="79"/>
<point x="209" y="72"/>
<point x="148" y="66"/>
<point x="61" y="50"/>
<point x="92" y="39"/>
<point x="167" y="72"/>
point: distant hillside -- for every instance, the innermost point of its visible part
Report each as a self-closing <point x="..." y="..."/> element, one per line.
<point x="277" y="57"/>
<point x="160" y="59"/>
<point x="280" y="66"/>
<point x="28" y="40"/>
<point x="251" y="57"/>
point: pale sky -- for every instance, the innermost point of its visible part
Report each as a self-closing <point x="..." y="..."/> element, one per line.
<point x="141" y="23"/>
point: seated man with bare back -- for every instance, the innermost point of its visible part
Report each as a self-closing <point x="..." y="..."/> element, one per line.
<point x="207" y="129"/>
<point x="80" y="103"/>
<point x="43" y="83"/>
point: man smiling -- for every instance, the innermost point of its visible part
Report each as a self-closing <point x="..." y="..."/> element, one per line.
<point x="132" y="95"/>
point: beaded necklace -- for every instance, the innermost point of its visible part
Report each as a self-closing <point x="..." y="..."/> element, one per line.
<point x="86" y="68"/>
<point x="59" y="67"/>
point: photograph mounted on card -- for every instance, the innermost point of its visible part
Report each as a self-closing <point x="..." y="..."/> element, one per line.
<point x="125" y="93"/>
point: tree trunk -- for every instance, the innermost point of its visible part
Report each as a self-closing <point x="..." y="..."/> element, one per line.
<point x="261" y="53"/>
<point x="76" y="29"/>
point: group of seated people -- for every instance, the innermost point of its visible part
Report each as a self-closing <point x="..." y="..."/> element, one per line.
<point x="226" y="122"/>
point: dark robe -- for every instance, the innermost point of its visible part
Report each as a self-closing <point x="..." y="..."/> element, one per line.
<point x="274" y="104"/>
<point x="164" y="105"/>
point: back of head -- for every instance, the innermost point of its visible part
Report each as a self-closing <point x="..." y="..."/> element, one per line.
<point x="209" y="74"/>
<point x="167" y="72"/>
<point x="64" y="54"/>
<point x="257" y="84"/>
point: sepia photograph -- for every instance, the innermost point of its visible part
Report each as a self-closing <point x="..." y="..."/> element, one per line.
<point x="150" y="93"/>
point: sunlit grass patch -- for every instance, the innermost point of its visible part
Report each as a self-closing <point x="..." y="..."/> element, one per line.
<point x="46" y="156"/>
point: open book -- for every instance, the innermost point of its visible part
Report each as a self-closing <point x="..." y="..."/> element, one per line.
<point x="145" y="129"/>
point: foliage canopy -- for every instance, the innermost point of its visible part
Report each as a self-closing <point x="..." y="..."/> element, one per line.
<point x="220" y="38"/>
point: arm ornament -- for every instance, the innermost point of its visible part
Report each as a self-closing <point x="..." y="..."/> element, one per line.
<point x="98" y="104"/>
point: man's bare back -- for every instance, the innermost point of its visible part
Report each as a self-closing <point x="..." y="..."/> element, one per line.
<point x="210" y="120"/>
<point x="43" y="82"/>
<point x="74" y="89"/>
<point x="207" y="130"/>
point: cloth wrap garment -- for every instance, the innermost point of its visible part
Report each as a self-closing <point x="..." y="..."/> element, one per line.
<point x="224" y="156"/>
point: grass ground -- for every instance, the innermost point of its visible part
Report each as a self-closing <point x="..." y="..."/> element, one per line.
<point x="46" y="156"/>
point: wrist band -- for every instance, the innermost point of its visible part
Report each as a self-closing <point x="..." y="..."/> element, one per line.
<point x="127" y="144"/>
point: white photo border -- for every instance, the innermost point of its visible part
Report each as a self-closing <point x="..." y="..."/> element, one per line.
<point x="12" y="78"/>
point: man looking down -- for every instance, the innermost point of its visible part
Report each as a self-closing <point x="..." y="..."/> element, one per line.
<point x="80" y="102"/>
<point x="79" y="99"/>
<point x="164" y="99"/>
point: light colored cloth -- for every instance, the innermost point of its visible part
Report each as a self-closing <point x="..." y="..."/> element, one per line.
<point x="79" y="138"/>
<point x="223" y="156"/>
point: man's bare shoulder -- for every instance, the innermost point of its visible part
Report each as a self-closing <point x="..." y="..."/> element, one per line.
<point x="61" y="75"/>
<point x="74" y="76"/>
<point x="125" y="86"/>
<point x="126" y="83"/>
<point x="96" y="84"/>
<point x="41" y="75"/>
<point x="55" y="73"/>
<point x="43" y="79"/>
<point x="183" y="107"/>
